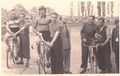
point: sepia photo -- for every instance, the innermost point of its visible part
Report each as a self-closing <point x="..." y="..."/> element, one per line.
<point x="60" y="37"/>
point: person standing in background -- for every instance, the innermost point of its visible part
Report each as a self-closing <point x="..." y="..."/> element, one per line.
<point x="66" y="46"/>
<point x="24" y="41"/>
<point x="115" y="43"/>
<point x="56" y="28"/>
<point x="104" y="50"/>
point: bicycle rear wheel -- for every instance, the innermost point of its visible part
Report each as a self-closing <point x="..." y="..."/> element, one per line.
<point x="39" y="69"/>
<point x="8" y="59"/>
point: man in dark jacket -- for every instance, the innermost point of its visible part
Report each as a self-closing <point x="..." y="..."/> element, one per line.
<point x="104" y="50"/>
<point x="87" y="35"/>
<point x="115" y="43"/>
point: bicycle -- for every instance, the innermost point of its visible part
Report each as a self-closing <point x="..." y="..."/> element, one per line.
<point x="43" y="60"/>
<point x="12" y="53"/>
<point x="92" y="57"/>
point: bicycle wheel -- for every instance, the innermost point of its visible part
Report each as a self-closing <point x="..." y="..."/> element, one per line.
<point x="93" y="62"/>
<point x="40" y="55"/>
<point x="44" y="65"/>
<point x="8" y="59"/>
<point x="9" y="54"/>
<point x="39" y="69"/>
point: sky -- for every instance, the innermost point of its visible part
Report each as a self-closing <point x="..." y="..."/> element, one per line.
<point x="60" y="6"/>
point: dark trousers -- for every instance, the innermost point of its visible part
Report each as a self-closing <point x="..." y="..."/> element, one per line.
<point x="24" y="51"/>
<point x="57" y="57"/>
<point x="85" y="51"/>
<point x="66" y="59"/>
<point x="117" y="60"/>
<point x="104" y="61"/>
<point x="85" y="55"/>
<point x="116" y="51"/>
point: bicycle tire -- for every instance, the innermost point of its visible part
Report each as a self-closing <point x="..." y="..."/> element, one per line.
<point x="8" y="53"/>
<point x="39" y="69"/>
<point x="93" y="62"/>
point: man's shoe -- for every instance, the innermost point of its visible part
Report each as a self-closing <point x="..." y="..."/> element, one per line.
<point x="27" y="64"/>
<point x="102" y="71"/>
<point x="16" y="58"/>
<point x="21" y="62"/>
<point x="68" y="72"/>
<point x="83" y="70"/>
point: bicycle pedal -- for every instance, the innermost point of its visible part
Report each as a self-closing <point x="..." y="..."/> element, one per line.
<point x="48" y="65"/>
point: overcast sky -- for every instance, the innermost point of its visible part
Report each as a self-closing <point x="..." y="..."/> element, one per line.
<point x="60" y="6"/>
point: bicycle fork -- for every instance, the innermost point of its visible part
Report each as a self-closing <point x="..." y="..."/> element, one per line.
<point x="92" y="60"/>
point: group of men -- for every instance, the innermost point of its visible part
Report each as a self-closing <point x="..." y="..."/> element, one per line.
<point x="47" y="27"/>
<point x="90" y="32"/>
<point x="98" y="34"/>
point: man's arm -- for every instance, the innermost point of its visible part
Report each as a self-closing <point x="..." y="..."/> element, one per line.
<point x="54" y="38"/>
<point x="108" y="36"/>
<point x="83" y="32"/>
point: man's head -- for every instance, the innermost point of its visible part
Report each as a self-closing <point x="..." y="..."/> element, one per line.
<point x="42" y="11"/>
<point x="91" y="19"/>
<point x="54" y="16"/>
<point x="22" y="16"/>
<point x="13" y="15"/>
<point x="101" y="21"/>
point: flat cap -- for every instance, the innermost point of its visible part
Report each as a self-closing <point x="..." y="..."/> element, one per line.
<point x="42" y="8"/>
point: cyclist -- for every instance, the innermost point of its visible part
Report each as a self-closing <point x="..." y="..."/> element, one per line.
<point x="41" y="26"/>
<point x="87" y="35"/>
<point x="13" y="30"/>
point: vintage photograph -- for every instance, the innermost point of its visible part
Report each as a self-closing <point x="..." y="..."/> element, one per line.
<point x="60" y="36"/>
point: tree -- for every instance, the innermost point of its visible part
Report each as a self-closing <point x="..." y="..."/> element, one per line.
<point x="99" y="8"/>
<point x="108" y="9"/>
<point x="4" y="16"/>
<point x="71" y="9"/>
<point x="112" y="6"/>
<point x="78" y="8"/>
<point x="88" y="7"/>
<point x="49" y="11"/>
<point x="103" y="8"/>
<point x="82" y="8"/>
<point x="19" y="9"/>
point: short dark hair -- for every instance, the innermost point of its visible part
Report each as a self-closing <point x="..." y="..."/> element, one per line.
<point x="54" y="13"/>
<point x="92" y="17"/>
<point x="42" y="8"/>
<point x="101" y="18"/>
<point x="116" y="20"/>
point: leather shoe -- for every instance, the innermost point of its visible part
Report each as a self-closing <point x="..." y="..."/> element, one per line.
<point x="83" y="70"/>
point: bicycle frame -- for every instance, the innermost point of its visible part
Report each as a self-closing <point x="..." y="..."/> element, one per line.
<point x="92" y="57"/>
<point x="13" y="50"/>
<point x="42" y="55"/>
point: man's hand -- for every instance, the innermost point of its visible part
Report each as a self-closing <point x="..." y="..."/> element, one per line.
<point x="48" y="43"/>
<point x="51" y="44"/>
<point x="84" y="40"/>
<point x="103" y="44"/>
